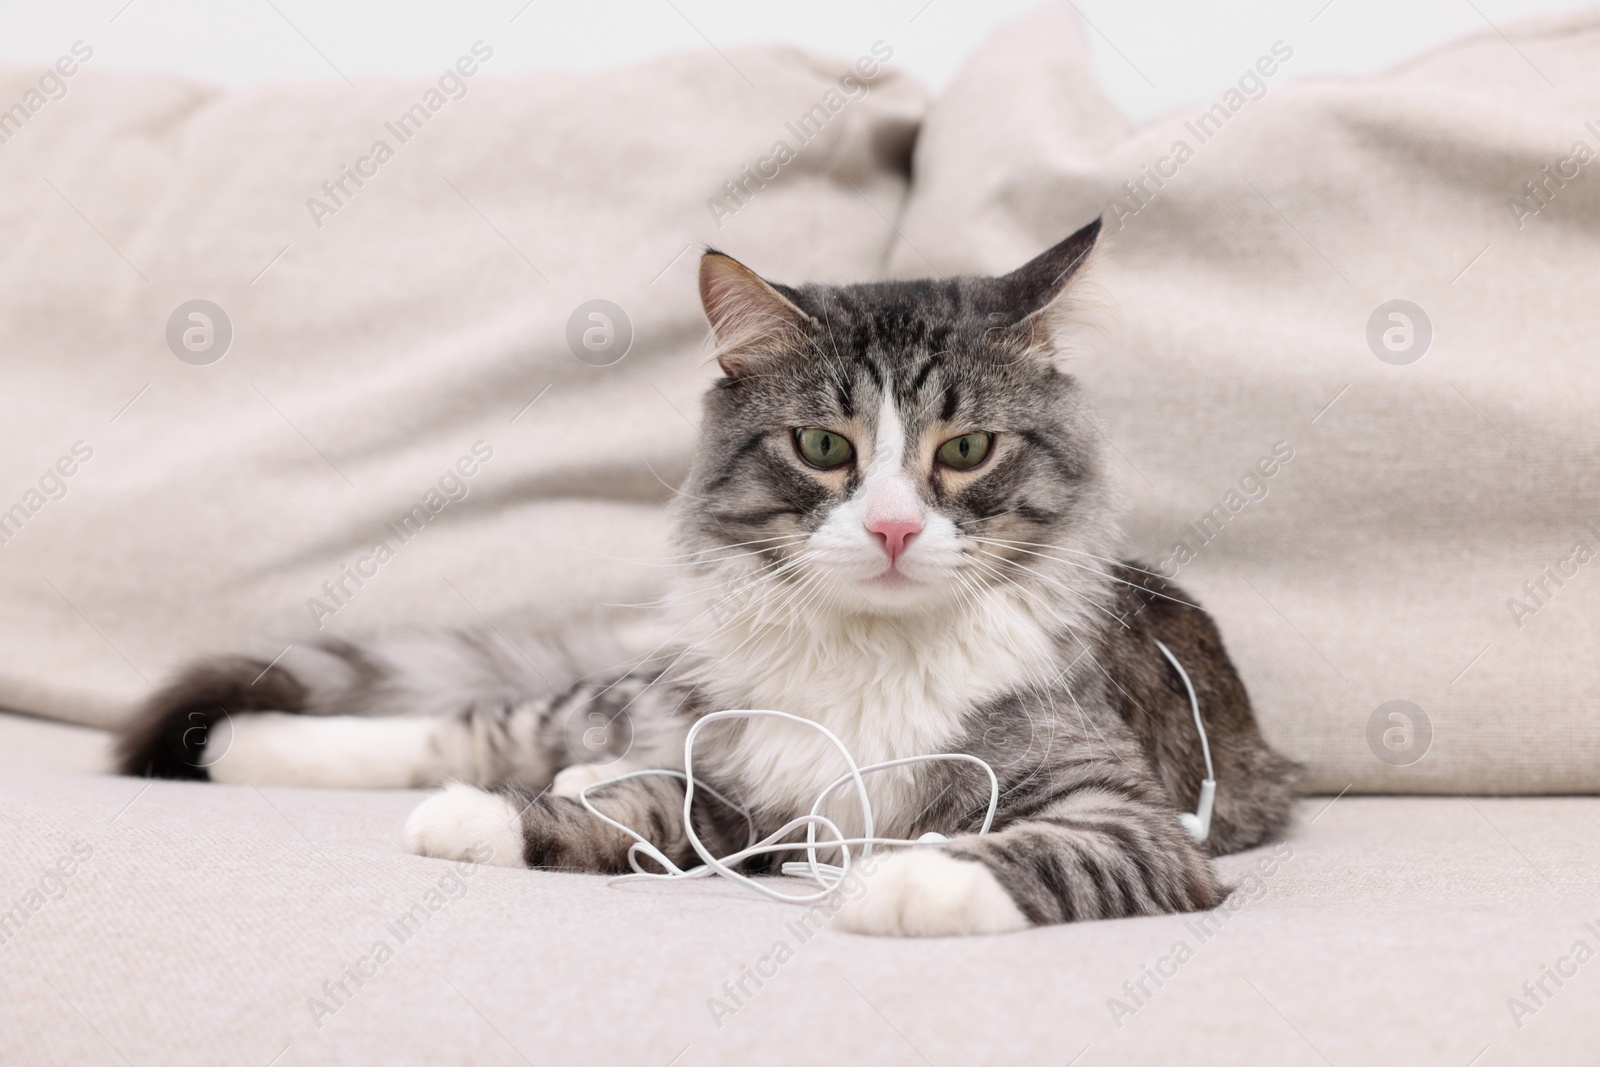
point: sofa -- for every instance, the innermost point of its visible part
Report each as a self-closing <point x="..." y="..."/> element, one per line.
<point x="1377" y="288"/>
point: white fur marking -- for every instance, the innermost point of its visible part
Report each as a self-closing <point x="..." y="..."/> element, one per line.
<point x="335" y="751"/>
<point x="462" y="822"/>
<point x="926" y="893"/>
<point x="887" y="491"/>
<point x="888" y="687"/>
<point x="570" y="781"/>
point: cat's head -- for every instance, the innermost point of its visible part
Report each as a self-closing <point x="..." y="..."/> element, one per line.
<point x="894" y="447"/>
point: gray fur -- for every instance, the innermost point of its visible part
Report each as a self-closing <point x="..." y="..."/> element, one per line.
<point x="1095" y="750"/>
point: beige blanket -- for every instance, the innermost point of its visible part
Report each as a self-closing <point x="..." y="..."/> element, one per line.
<point x="399" y="372"/>
<point x="1435" y="538"/>
<point x="1363" y="499"/>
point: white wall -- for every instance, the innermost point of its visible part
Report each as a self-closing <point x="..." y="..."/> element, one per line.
<point x="1152" y="55"/>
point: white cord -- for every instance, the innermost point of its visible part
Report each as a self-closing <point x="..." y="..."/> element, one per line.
<point x="826" y="875"/>
<point x="1199" y="823"/>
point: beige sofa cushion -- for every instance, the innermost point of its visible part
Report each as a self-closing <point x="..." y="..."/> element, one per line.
<point x="1383" y="562"/>
<point x="379" y="337"/>
<point x="206" y="919"/>
<point x="1369" y="592"/>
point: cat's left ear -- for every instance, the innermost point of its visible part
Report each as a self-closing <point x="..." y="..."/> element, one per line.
<point x="753" y="321"/>
<point x="1038" y="292"/>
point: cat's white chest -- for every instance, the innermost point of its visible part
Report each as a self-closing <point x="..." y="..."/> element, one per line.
<point x="887" y="688"/>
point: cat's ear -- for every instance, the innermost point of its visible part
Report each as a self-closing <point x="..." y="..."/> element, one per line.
<point x="752" y="322"/>
<point x="1040" y="292"/>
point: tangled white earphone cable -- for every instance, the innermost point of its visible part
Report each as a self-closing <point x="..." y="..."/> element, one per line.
<point x="828" y="876"/>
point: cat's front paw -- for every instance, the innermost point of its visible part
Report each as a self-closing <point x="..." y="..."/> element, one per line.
<point x="462" y="822"/>
<point x="927" y="893"/>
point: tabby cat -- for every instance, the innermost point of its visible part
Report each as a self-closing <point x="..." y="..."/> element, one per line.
<point x="897" y="524"/>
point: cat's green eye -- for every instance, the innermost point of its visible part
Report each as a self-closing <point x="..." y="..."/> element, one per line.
<point x="966" y="451"/>
<point x="822" y="448"/>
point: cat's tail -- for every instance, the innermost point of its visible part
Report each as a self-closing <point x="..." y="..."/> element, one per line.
<point x="401" y="711"/>
<point x="167" y="737"/>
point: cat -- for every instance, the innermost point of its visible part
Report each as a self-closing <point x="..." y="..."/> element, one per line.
<point x="898" y="523"/>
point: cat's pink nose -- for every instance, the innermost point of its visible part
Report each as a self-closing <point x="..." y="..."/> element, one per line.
<point x="896" y="534"/>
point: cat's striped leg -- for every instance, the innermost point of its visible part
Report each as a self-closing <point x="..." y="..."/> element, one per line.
<point x="1092" y="853"/>
<point x="513" y="827"/>
<point x="394" y="716"/>
<point x="586" y="734"/>
<point x="325" y="723"/>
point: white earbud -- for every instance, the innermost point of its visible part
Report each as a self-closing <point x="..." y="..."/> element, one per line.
<point x="1198" y="823"/>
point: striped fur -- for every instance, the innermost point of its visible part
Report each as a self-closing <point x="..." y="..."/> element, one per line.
<point x="1007" y="630"/>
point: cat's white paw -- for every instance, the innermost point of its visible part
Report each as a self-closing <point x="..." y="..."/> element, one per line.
<point x="462" y="822"/>
<point x="926" y="893"/>
<point x="570" y="781"/>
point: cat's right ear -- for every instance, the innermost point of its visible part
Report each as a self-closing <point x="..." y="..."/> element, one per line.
<point x="1046" y="294"/>
<point x="752" y="322"/>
